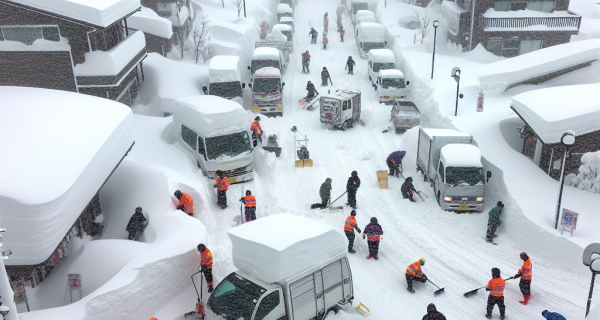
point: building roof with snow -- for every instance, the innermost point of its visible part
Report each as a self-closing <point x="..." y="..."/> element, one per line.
<point x="58" y="149"/>
<point x="391" y="73"/>
<point x="224" y="69"/>
<point x="280" y="246"/>
<point x="209" y="115"/>
<point x="552" y="111"/>
<point x="97" y="12"/>
<point x="461" y="155"/>
<point x="150" y="22"/>
<point x="266" y="53"/>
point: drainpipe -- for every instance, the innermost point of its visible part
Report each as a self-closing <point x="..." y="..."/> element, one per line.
<point x="88" y="38"/>
<point x="472" y="23"/>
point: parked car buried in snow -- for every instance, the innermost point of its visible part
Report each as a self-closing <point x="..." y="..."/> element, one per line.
<point x="405" y="115"/>
<point x="363" y="16"/>
<point x="286" y="30"/>
<point x="341" y="109"/>
<point x="357" y="5"/>
<point x="224" y="78"/>
<point x="267" y="90"/>
<point x="369" y="35"/>
<point x="390" y="85"/>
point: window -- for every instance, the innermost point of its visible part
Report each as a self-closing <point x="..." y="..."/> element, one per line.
<point x="51" y="33"/>
<point x="441" y="170"/>
<point x="28" y="34"/>
<point x="345" y="105"/>
<point x="267" y="305"/>
<point x="511" y="48"/>
<point x="514" y="6"/>
<point x="502" y="6"/>
<point x="189" y="136"/>
<point x="544" y="6"/>
<point x="529" y="45"/>
<point x="495" y="46"/>
<point x="201" y="149"/>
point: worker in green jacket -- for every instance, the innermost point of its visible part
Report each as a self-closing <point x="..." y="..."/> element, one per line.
<point x="494" y="221"/>
<point x="325" y="193"/>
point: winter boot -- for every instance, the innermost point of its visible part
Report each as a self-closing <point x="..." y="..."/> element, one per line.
<point x="526" y="299"/>
<point x="376" y="258"/>
<point x="210" y="289"/>
<point x="351" y="250"/>
<point x="224" y="206"/>
<point x="411" y="290"/>
<point x="412" y="200"/>
<point x="502" y="317"/>
<point x="489" y="316"/>
<point x="368" y="257"/>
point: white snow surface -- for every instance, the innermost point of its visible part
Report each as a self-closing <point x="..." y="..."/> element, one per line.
<point x="211" y="115"/>
<point x="67" y="146"/>
<point x="184" y="14"/>
<point x="282" y="27"/>
<point x="284" y="8"/>
<point x="111" y="62"/>
<point x="444" y="133"/>
<point x="552" y="111"/>
<point x="362" y="14"/>
<point x="150" y="22"/>
<point x="267" y="72"/>
<point x="280" y="246"/>
<point x="461" y="155"/>
<point x="391" y="73"/>
<point x="101" y="13"/>
<point x="503" y="73"/>
<point x="37" y="45"/>
<point x="265" y="53"/>
<point x="370" y="31"/>
<point x="224" y="69"/>
<point x="381" y="55"/>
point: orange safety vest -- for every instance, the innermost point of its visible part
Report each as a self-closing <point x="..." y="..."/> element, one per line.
<point x="372" y="237"/>
<point x="526" y="270"/>
<point x="496" y="287"/>
<point x="206" y="259"/>
<point x="187" y="202"/>
<point x="222" y="184"/>
<point x="350" y="223"/>
<point x="414" y="269"/>
<point x="256" y="128"/>
<point x="250" y="201"/>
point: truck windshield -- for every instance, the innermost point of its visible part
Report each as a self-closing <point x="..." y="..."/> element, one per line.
<point x="258" y="64"/>
<point x="397" y="83"/>
<point x="471" y="176"/>
<point x="359" y="6"/>
<point x="227" y="145"/>
<point x="235" y="297"/>
<point x="329" y="104"/>
<point x="266" y="85"/>
<point x="226" y="90"/>
<point x="288" y="34"/>
<point x="374" y="45"/>
<point x="382" y="66"/>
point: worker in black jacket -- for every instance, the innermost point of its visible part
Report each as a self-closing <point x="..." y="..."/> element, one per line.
<point x="352" y="187"/>
<point x="137" y="224"/>
<point x="325" y="76"/>
<point x="407" y="189"/>
<point x="433" y="314"/>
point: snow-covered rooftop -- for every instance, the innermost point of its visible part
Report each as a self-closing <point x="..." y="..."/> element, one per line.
<point x="280" y="246"/>
<point x="224" y="69"/>
<point x="343" y="94"/>
<point x="101" y="13"/>
<point x="111" y="62"/>
<point x="381" y="55"/>
<point x="370" y="31"/>
<point x="267" y="72"/>
<point x="265" y="53"/>
<point x="552" y="111"/>
<point x="210" y="115"/>
<point x="444" y="133"/>
<point x="60" y="147"/>
<point x="284" y="8"/>
<point x="391" y="73"/>
<point x="150" y="22"/>
<point x="461" y="155"/>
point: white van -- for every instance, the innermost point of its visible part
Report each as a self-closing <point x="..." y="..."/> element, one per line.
<point x="379" y="59"/>
<point x="224" y="78"/>
<point x="369" y="35"/>
<point x="390" y="85"/>
<point x="214" y="130"/>
<point x="284" y="10"/>
<point x="266" y="57"/>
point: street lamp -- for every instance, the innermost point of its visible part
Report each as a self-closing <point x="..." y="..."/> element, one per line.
<point x="567" y="140"/>
<point x="435" y="25"/>
<point x="244" y="8"/>
<point x="594" y="264"/>
<point x="456" y="75"/>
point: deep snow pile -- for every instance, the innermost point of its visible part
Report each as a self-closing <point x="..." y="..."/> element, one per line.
<point x="224" y="69"/>
<point x="281" y="246"/>
<point x="588" y="177"/>
<point x="111" y="62"/>
<point x="148" y="21"/>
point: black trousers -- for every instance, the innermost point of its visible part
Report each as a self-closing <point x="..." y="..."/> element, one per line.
<point x="350" y="69"/>
<point x="305" y="67"/>
<point x="373" y="248"/>
<point x="208" y="276"/>
<point x="492" y="301"/>
<point x="351" y="236"/>
<point x="222" y="197"/>
<point x="250" y="213"/>
<point x="313" y="40"/>
<point x="491" y="230"/>
<point x="525" y="286"/>
<point x="324" y="80"/>
<point x="393" y="168"/>
<point x="352" y="197"/>
<point x="409" y="280"/>
<point x="323" y="204"/>
<point x="407" y="195"/>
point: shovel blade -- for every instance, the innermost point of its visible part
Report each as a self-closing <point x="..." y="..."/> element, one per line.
<point x="470" y="293"/>
<point x="438" y="291"/>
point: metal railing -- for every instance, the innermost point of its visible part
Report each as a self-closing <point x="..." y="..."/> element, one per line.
<point x="550" y="23"/>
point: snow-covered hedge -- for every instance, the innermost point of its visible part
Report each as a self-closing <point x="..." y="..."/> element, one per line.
<point x="588" y="177"/>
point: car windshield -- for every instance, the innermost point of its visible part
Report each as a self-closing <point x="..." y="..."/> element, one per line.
<point x="235" y="297"/>
<point x="471" y="176"/>
<point x="266" y="85"/>
<point x="226" y="90"/>
<point x="227" y="145"/>
<point x="382" y="66"/>
<point x="258" y="64"/>
<point x="373" y="45"/>
<point x="393" y="83"/>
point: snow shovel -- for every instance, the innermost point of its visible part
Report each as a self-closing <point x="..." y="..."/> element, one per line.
<point x="474" y="291"/>
<point x="340" y="207"/>
<point x="421" y="193"/>
<point x="421" y="198"/>
<point x="440" y="290"/>
<point x="198" y="313"/>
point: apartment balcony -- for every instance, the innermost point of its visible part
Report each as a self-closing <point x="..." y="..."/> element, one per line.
<point x="530" y="20"/>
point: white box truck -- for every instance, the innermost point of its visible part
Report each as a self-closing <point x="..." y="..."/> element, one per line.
<point x="224" y="78"/>
<point x="214" y="130"/>
<point x="296" y="270"/>
<point x="452" y="163"/>
<point x="356" y="5"/>
<point x="369" y="35"/>
<point x="390" y="85"/>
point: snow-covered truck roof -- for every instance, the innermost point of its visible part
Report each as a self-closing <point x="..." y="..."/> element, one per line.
<point x="280" y="246"/>
<point x="287" y="19"/>
<point x="370" y="31"/>
<point x="461" y="155"/>
<point x="443" y="133"/>
<point x="360" y="1"/>
<point x="381" y="55"/>
<point x="362" y="14"/>
<point x="224" y="69"/>
<point x="265" y="53"/>
<point x="391" y="73"/>
<point x="552" y="111"/>
<point x="282" y="27"/>
<point x="100" y="13"/>
<point x="341" y="94"/>
<point x="267" y="72"/>
<point x="150" y="22"/>
<point x="58" y="149"/>
<point x="537" y="63"/>
<point x="284" y="8"/>
<point x="210" y="115"/>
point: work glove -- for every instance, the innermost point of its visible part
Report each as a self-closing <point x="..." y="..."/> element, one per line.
<point x="488" y="289"/>
<point x="242" y="200"/>
<point x="357" y="228"/>
<point x="180" y="208"/>
<point x="363" y="236"/>
<point x="518" y="275"/>
<point x="424" y="277"/>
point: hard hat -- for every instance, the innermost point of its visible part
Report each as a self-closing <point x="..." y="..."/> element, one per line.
<point x="353" y="213"/>
<point x="248" y="192"/>
<point x="422" y="261"/>
<point x="178" y="194"/>
<point x="201" y="247"/>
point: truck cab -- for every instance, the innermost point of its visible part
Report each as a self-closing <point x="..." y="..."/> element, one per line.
<point x="379" y="59"/>
<point x="357" y="5"/>
<point x="363" y="16"/>
<point x="266" y="57"/>
<point x="341" y="109"/>
<point x="288" y="21"/>
<point x="267" y="92"/>
<point x="369" y="35"/>
<point x="224" y="78"/>
<point x="459" y="183"/>
<point x="390" y="85"/>
<point x="284" y="10"/>
<point x="286" y="30"/>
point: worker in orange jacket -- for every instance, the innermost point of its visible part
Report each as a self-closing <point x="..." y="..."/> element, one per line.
<point x="206" y="264"/>
<point x="496" y="289"/>
<point x="525" y="273"/>
<point x="257" y="132"/>
<point x="222" y="185"/>
<point x="250" y="203"/>
<point x="349" y="227"/>
<point x="414" y="272"/>
<point x="186" y="203"/>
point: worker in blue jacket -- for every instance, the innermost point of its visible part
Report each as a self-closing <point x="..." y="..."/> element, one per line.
<point x="552" y="315"/>
<point x="394" y="162"/>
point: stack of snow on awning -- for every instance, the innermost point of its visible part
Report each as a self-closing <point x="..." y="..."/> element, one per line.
<point x="58" y="148"/>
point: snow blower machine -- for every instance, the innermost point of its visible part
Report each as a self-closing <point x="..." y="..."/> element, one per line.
<point x="302" y="156"/>
<point x="198" y="313"/>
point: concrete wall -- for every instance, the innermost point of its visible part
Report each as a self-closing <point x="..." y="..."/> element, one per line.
<point x="40" y="69"/>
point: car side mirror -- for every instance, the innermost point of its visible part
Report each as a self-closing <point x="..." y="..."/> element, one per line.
<point x="205" y="90"/>
<point x="248" y="67"/>
<point x="407" y="82"/>
<point x="250" y="85"/>
<point x="489" y="175"/>
<point x="243" y="85"/>
<point x="460" y="96"/>
<point x="283" y="84"/>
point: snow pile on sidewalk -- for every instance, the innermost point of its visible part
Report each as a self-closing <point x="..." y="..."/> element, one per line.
<point x="588" y="177"/>
<point x="111" y="62"/>
<point x="280" y="246"/>
<point x="150" y="22"/>
<point x="60" y="147"/>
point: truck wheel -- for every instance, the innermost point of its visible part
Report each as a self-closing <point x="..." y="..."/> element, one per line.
<point x="438" y="199"/>
<point x="345" y="126"/>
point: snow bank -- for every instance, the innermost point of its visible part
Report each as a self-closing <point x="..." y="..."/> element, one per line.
<point x="552" y="111"/>
<point x="37" y="45"/>
<point x="224" y="69"/>
<point x="588" y="177"/>
<point x="211" y="115"/>
<point x="444" y="133"/>
<point x="461" y="155"/>
<point x="265" y="53"/>
<point x="370" y="31"/>
<point x="391" y="73"/>
<point x="503" y="73"/>
<point x="184" y="14"/>
<point x="150" y="22"/>
<point x="111" y="62"/>
<point x="68" y="146"/>
<point x="281" y="246"/>
<point x="100" y="13"/>
<point x="594" y="312"/>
